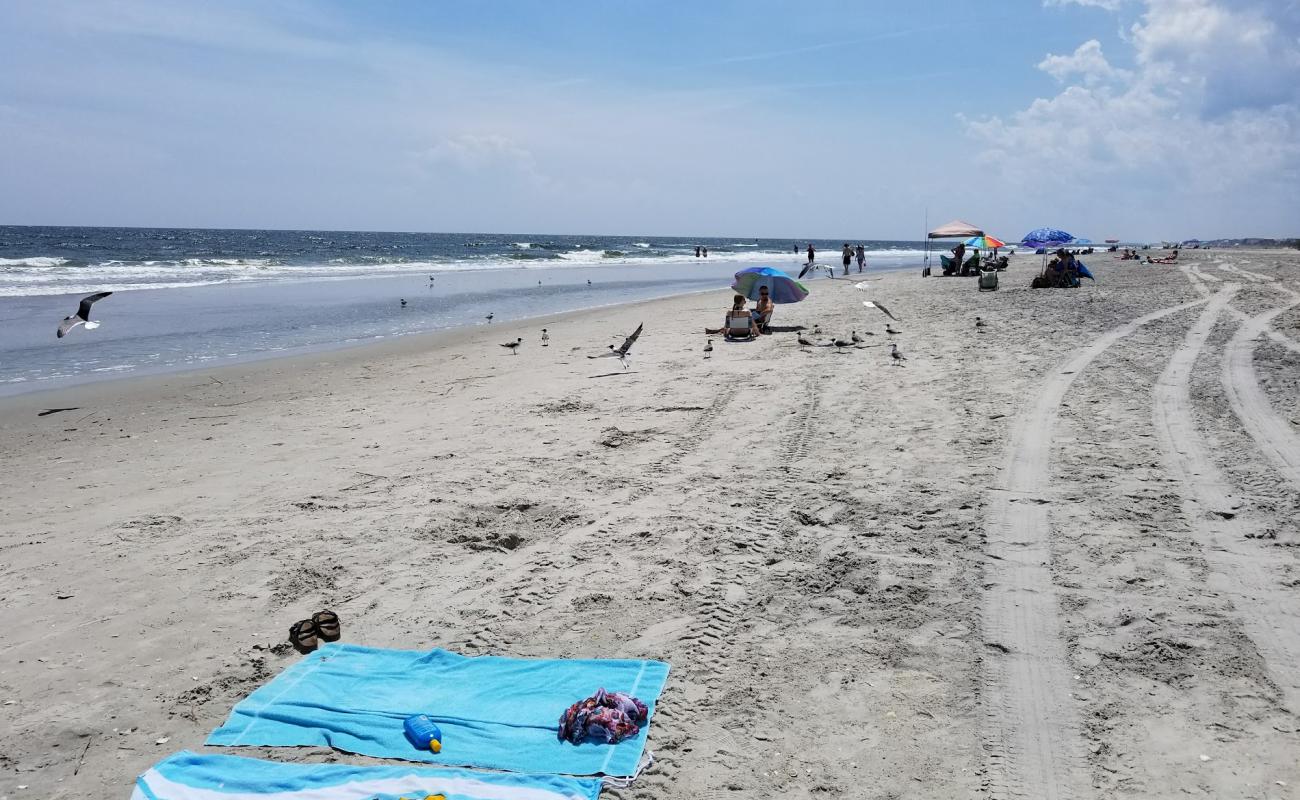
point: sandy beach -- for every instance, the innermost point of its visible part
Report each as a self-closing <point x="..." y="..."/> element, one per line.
<point x="1055" y="556"/>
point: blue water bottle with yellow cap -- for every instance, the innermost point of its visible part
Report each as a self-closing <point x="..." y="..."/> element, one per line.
<point x="423" y="733"/>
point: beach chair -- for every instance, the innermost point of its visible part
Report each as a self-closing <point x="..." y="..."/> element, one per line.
<point x="765" y="320"/>
<point x="988" y="280"/>
<point x="947" y="263"/>
<point x="738" y="327"/>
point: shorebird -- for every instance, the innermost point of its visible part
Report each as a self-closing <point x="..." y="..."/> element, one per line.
<point x="856" y="338"/>
<point x="430" y="279"/>
<point x="514" y="346"/>
<point x="621" y="353"/>
<point x="588" y="283"/>
<point x="979" y="323"/>
<point x="708" y="349"/>
<point x="889" y="329"/>
<point x="403" y="302"/>
<point x="840" y="343"/>
<point x="883" y="310"/>
<point x="898" y="357"/>
<point x="817" y="330"/>
<point x="82" y="317"/>
<point x="546" y="338"/>
<point x="804" y="341"/>
<point x="489" y="318"/>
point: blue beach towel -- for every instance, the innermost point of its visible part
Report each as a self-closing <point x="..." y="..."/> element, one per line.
<point x="194" y="776"/>
<point x="500" y="713"/>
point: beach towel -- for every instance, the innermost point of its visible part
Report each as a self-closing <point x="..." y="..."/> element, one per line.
<point x="500" y="713"/>
<point x="195" y="776"/>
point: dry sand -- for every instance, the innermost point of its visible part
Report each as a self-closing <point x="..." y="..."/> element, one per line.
<point x="1054" y="558"/>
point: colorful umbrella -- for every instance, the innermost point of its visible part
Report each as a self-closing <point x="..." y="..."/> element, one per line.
<point x="984" y="242"/>
<point x="781" y="287"/>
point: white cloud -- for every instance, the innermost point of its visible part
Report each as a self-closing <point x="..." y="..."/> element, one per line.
<point x="1109" y="5"/>
<point x="1087" y="61"/>
<point x="1210" y="116"/>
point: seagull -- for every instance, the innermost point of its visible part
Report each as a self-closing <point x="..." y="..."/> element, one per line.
<point x="856" y="338"/>
<point x="621" y="352"/>
<point x="817" y="330"/>
<point x="514" y="346"/>
<point x="805" y="342"/>
<point x="82" y="317"/>
<point x="588" y="283"/>
<point x="546" y="338"/>
<point x="489" y="318"/>
<point x="889" y="329"/>
<point x="898" y="357"/>
<point x="883" y="310"/>
<point x="403" y="302"/>
<point x="708" y="349"/>
<point x="843" y="343"/>
<point x="979" y="323"/>
<point x="430" y="279"/>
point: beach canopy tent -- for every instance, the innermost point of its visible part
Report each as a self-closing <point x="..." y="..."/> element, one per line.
<point x="781" y="287"/>
<point x="957" y="229"/>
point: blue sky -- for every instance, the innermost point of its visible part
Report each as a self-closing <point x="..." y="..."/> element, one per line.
<point x="1133" y="118"/>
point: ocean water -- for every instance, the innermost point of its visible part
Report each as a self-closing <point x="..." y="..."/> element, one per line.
<point x="186" y="298"/>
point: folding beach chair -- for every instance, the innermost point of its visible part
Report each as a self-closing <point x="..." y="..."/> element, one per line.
<point x="738" y="326"/>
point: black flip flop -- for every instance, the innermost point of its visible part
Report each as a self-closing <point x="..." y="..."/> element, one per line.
<point x="327" y="625"/>
<point x="302" y="635"/>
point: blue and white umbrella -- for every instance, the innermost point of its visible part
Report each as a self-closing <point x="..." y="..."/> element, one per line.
<point x="1046" y="237"/>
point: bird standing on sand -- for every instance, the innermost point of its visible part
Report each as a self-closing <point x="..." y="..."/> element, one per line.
<point x="82" y="317"/>
<point x="403" y="302"/>
<point x="514" y="346"/>
<point x="842" y="343"/>
<point x="889" y="329"/>
<point x="817" y="330"/>
<point x="621" y="353"/>
<point x="856" y="338"/>
<point x="708" y="349"/>
<point x="489" y="318"/>
<point x="979" y="323"/>
<point x="546" y="338"/>
<point x="898" y="357"/>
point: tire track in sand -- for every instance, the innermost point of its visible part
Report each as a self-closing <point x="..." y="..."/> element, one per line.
<point x="1269" y="615"/>
<point x="1031" y="732"/>
<point x="1273" y="435"/>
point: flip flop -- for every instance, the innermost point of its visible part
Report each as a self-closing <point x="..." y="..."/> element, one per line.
<point x="327" y="625"/>
<point x="303" y="636"/>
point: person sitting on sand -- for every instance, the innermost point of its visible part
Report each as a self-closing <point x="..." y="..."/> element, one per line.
<point x="736" y="310"/>
<point x="762" y="313"/>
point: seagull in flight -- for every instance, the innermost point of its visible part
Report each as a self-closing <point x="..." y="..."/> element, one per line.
<point x="514" y="346"/>
<point x="895" y="354"/>
<point x="546" y="338"/>
<point x="708" y="349"/>
<point x="82" y="317"/>
<point x="883" y="310"/>
<point x="621" y="353"/>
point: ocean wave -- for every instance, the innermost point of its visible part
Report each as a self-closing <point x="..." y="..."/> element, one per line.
<point x="642" y="245"/>
<point x="523" y="245"/>
<point x="34" y="261"/>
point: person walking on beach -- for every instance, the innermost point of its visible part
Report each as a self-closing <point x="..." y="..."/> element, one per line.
<point x="706" y="252"/>
<point x="812" y="253"/>
<point x="846" y="255"/>
<point x="796" y="248"/>
<point x="862" y="257"/>
<point x="697" y="251"/>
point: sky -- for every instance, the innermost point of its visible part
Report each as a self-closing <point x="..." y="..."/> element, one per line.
<point x="1134" y="119"/>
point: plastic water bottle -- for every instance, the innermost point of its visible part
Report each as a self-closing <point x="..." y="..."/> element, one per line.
<point x="423" y="733"/>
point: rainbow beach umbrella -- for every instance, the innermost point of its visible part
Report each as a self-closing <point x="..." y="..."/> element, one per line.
<point x="781" y="287"/>
<point x="984" y="242"/>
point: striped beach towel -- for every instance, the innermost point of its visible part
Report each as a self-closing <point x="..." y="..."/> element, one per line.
<point x="196" y="776"/>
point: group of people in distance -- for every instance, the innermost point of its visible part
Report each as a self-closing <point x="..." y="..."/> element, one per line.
<point x="847" y="255"/>
<point x="1062" y="272"/>
<point x="1129" y="255"/>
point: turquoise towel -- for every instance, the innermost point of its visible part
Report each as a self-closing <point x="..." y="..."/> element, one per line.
<point x="194" y="776"/>
<point x="500" y="713"/>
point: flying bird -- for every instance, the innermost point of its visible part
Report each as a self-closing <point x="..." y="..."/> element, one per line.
<point x="898" y="357"/>
<point x="708" y="349"/>
<point x="82" y="317"/>
<point x="621" y="353"/>
<point x="883" y="310"/>
<point x="514" y="346"/>
<point x="546" y="338"/>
